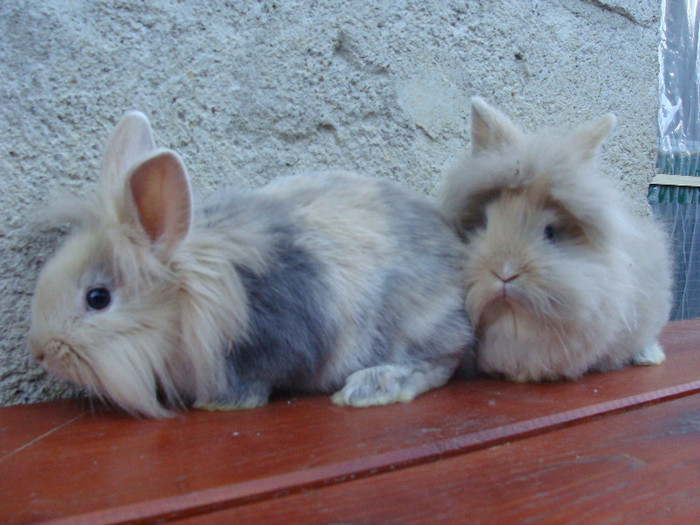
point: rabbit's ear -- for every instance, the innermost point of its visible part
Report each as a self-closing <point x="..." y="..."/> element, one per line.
<point x="131" y="140"/>
<point x="160" y="192"/>
<point x="491" y="129"/>
<point x="590" y="136"/>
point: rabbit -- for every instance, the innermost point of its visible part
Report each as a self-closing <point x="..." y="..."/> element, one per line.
<point x="561" y="277"/>
<point x="314" y="283"/>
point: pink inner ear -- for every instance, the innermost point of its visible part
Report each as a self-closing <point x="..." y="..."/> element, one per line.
<point x="161" y="194"/>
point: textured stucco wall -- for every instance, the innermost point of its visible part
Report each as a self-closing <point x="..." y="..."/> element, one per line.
<point x="251" y="90"/>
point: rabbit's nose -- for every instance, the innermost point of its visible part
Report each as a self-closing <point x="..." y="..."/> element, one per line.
<point x="38" y="354"/>
<point x="508" y="273"/>
<point x="36" y="350"/>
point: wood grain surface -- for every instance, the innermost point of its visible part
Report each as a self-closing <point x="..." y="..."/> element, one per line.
<point x="642" y="466"/>
<point x="70" y="461"/>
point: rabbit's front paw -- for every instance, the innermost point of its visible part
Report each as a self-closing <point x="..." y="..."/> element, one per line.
<point x="240" y="397"/>
<point x="652" y="354"/>
<point x="381" y="385"/>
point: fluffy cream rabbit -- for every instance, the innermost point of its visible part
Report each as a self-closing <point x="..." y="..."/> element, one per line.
<point x="319" y="283"/>
<point x="561" y="276"/>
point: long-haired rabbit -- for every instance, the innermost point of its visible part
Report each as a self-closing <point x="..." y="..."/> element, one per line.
<point x="313" y="283"/>
<point x="561" y="276"/>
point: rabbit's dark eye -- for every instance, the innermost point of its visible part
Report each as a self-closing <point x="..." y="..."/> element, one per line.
<point x="550" y="233"/>
<point x="98" y="298"/>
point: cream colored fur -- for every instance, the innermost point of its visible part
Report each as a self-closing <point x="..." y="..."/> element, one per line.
<point x="593" y="296"/>
<point x="179" y="311"/>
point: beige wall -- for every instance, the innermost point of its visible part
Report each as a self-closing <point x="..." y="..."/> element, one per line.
<point x="266" y="89"/>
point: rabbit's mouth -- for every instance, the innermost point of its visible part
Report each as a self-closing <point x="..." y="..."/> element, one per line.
<point x="510" y="301"/>
<point x="494" y="308"/>
<point x="504" y="297"/>
<point x="60" y="359"/>
<point x="513" y="294"/>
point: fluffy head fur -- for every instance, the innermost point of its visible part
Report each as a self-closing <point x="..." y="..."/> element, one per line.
<point x="312" y="283"/>
<point x="561" y="277"/>
<point x="128" y="350"/>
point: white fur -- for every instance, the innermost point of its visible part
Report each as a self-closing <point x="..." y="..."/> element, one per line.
<point x="594" y="297"/>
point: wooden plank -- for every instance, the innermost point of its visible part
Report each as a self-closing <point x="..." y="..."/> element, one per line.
<point x="21" y="426"/>
<point x="123" y="469"/>
<point x="208" y="501"/>
<point x="690" y="181"/>
<point x="639" y="467"/>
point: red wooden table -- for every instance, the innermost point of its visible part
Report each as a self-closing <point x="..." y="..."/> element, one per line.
<point x="617" y="447"/>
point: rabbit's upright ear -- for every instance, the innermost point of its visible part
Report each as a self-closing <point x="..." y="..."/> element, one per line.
<point x="130" y="141"/>
<point x="491" y="129"/>
<point x="162" y="200"/>
<point x="588" y="137"/>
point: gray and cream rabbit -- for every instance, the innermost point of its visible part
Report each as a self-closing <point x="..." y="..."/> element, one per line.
<point x="322" y="283"/>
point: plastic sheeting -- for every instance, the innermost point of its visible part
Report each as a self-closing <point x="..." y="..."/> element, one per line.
<point x="679" y="148"/>
<point x="679" y="63"/>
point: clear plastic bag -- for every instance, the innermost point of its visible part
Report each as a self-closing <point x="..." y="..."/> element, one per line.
<point x="679" y="101"/>
<point x="677" y="204"/>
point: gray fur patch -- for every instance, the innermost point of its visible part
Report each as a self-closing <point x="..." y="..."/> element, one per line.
<point x="407" y="314"/>
<point x="288" y="336"/>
